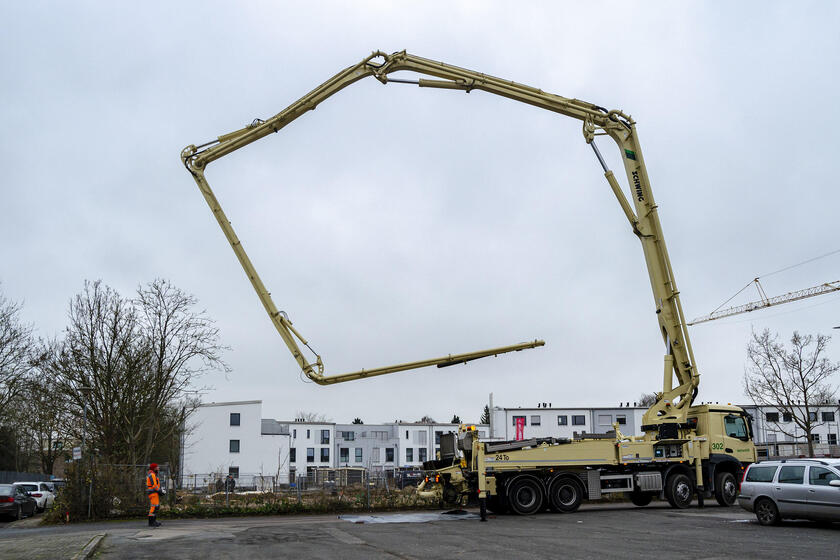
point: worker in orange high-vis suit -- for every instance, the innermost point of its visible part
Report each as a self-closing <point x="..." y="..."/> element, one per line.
<point x="153" y="490"/>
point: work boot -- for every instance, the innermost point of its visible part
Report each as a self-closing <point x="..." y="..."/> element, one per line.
<point x="153" y="522"/>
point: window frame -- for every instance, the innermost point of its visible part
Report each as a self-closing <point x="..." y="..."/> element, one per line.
<point x="238" y="417"/>
<point x="562" y="419"/>
<point x="575" y="418"/>
<point x="231" y="446"/>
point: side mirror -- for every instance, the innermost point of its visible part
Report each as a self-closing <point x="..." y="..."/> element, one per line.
<point x="835" y="483"/>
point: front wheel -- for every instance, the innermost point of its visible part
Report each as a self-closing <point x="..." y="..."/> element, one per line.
<point x="766" y="512"/>
<point x="679" y="490"/>
<point x="726" y="489"/>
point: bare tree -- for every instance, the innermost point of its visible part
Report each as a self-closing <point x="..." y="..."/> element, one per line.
<point x="647" y="399"/>
<point x="795" y="380"/>
<point x="426" y="420"/>
<point x="15" y="349"/>
<point x="125" y="363"/>
<point x="304" y="416"/>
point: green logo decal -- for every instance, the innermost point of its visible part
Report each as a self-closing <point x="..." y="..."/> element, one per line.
<point x="630" y="154"/>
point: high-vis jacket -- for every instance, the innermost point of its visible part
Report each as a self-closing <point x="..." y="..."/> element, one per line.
<point x="152" y="483"/>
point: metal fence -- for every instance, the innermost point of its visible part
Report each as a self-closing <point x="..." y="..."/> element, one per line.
<point x="8" y="477"/>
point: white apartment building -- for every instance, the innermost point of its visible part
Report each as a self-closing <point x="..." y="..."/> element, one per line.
<point x="548" y="421"/>
<point x="232" y="437"/>
<point x="777" y="435"/>
<point x="311" y="446"/>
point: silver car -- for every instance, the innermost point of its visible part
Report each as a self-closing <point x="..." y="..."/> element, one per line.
<point x="792" y="489"/>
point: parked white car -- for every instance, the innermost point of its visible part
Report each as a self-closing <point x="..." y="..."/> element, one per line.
<point x="41" y="491"/>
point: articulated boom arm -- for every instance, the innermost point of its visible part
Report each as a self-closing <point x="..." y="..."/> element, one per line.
<point x="597" y="121"/>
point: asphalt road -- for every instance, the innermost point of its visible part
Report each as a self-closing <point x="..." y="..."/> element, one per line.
<point x="595" y="531"/>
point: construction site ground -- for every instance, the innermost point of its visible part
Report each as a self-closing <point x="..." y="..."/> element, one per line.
<point x="595" y="531"/>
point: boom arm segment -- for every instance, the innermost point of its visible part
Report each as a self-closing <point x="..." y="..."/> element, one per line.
<point x="597" y="121"/>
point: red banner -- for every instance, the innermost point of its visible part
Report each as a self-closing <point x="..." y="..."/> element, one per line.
<point x="520" y="428"/>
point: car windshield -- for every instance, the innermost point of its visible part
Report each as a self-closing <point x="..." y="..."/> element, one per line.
<point x="6" y="490"/>
<point x="29" y="487"/>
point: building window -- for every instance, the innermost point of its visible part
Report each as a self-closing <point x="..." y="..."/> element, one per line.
<point x="234" y="446"/>
<point x="389" y="454"/>
<point x="409" y="454"/>
<point x="562" y="420"/>
<point x="536" y="420"/>
<point x="578" y="420"/>
<point x="828" y="416"/>
<point x="524" y="420"/>
<point x="815" y="438"/>
<point x="604" y="419"/>
<point x="234" y="418"/>
<point x="348" y="436"/>
<point x="375" y="455"/>
<point x="325" y="454"/>
<point x="422" y="451"/>
<point x="344" y="455"/>
<point x="310" y="454"/>
<point x="832" y="439"/>
<point x="233" y="471"/>
<point x="437" y="437"/>
<point x="621" y="419"/>
<point x="325" y="437"/>
<point x="406" y="435"/>
<point x="359" y="455"/>
<point x="812" y="416"/>
<point x="292" y="455"/>
<point x="307" y="434"/>
<point x="294" y="433"/>
<point x="772" y="416"/>
<point x="787" y="417"/>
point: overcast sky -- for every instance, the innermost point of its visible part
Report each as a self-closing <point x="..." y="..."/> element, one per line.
<point x="395" y="223"/>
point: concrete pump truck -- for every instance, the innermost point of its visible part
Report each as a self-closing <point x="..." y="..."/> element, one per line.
<point x="685" y="449"/>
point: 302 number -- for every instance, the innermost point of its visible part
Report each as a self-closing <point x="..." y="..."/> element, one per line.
<point x="717" y="446"/>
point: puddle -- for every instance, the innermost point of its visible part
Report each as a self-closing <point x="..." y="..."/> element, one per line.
<point x="455" y="515"/>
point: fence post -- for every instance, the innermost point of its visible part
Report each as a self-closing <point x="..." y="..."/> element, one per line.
<point x="367" y="487"/>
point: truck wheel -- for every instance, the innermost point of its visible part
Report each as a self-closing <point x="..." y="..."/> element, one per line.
<point x="766" y="512"/>
<point x="565" y="495"/>
<point x="726" y="489"/>
<point x="525" y="496"/>
<point x="679" y="491"/>
<point x="640" y="498"/>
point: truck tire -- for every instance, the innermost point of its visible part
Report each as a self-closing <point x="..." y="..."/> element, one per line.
<point x="640" y="499"/>
<point x="525" y="496"/>
<point x="565" y="494"/>
<point x="679" y="490"/>
<point x="726" y="489"/>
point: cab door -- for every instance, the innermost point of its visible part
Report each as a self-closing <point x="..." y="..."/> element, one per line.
<point x="790" y="491"/>
<point x="823" y="500"/>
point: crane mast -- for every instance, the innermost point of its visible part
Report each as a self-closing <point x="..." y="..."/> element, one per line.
<point x="641" y="210"/>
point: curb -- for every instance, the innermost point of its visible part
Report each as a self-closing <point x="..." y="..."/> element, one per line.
<point x="90" y="548"/>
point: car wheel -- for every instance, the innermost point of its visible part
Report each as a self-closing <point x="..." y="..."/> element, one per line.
<point x="726" y="489"/>
<point x="766" y="512"/>
<point x="525" y="496"/>
<point x="679" y="491"/>
<point x="565" y="495"/>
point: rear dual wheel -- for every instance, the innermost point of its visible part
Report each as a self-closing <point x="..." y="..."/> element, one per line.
<point x="525" y="496"/>
<point x="565" y="494"/>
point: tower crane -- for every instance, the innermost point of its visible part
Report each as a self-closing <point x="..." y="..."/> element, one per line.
<point x="765" y="301"/>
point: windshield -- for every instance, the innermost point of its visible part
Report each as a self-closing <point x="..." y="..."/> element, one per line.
<point x="29" y="487"/>
<point x="734" y="426"/>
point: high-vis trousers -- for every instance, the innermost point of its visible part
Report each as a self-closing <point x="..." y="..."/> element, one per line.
<point x="154" y="503"/>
